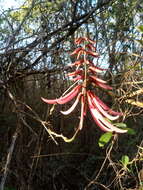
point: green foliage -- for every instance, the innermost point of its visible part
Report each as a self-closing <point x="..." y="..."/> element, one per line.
<point x="124" y="160"/>
<point x="19" y="14"/>
<point x="37" y="11"/>
<point x="123" y="125"/>
<point x="140" y="28"/>
<point x="104" y="139"/>
<point x="131" y="131"/>
<point x="120" y="125"/>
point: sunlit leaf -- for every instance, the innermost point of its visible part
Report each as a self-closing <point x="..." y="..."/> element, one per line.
<point x="136" y="103"/>
<point x="125" y="160"/>
<point x="140" y="28"/>
<point x="104" y="139"/>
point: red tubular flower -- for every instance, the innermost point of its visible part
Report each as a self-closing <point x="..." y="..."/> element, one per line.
<point x="96" y="79"/>
<point x="97" y="105"/>
<point x="106" y="108"/>
<point x="77" y="50"/>
<point x="75" y="73"/>
<point x="79" y="62"/>
<point x="99" y="119"/>
<point x="90" y="47"/>
<point x="68" y="97"/>
<point x="71" y="109"/>
<point x="96" y="69"/>
<point x="94" y="54"/>
<point x="77" y="78"/>
<point x="86" y="74"/>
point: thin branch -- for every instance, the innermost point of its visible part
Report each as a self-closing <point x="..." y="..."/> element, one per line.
<point x="9" y="157"/>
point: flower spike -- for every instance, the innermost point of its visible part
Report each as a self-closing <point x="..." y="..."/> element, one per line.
<point x="85" y="75"/>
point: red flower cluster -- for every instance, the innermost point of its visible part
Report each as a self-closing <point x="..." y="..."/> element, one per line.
<point x="85" y="74"/>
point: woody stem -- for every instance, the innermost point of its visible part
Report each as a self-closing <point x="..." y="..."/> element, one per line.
<point x="85" y="74"/>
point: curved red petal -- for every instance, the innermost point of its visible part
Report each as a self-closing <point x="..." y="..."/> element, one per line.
<point x="90" y="47"/>
<point x="82" y="39"/>
<point x="96" y="69"/>
<point x="77" y="78"/>
<point x="97" y="79"/>
<point x="105" y="107"/>
<point x="76" y="51"/>
<point x="98" y="118"/>
<point x="79" y="71"/>
<point x="94" y="54"/>
<point x="68" y="97"/>
<point x="71" y="109"/>
<point x="79" y="62"/>
<point x="49" y="101"/>
<point x="101" y="110"/>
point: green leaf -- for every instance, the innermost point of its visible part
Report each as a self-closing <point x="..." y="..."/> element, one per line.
<point x="125" y="160"/>
<point x="140" y="28"/>
<point x="120" y="125"/>
<point x="123" y="125"/>
<point x="104" y="139"/>
<point x="131" y="131"/>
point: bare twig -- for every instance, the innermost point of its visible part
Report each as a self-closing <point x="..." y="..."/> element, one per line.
<point x="8" y="160"/>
